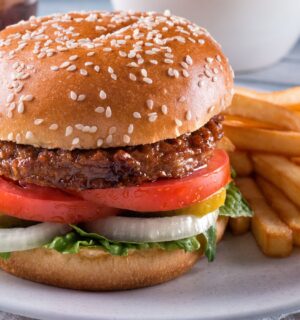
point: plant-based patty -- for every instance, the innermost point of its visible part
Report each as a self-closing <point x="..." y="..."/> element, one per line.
<point x="112" y="167"/>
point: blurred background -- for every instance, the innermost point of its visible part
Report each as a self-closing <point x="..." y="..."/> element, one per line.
<point x="260" y="37"/>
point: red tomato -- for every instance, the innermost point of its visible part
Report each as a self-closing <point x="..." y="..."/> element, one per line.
<point x="169" y="194"/>
<point x="47" y="204"/>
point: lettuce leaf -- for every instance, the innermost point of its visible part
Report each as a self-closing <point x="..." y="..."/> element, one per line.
<point x="235" y="204"/>
<point x="4" y="255"/>
<point x="211" y="243"/>
<point x="73" y="241"/>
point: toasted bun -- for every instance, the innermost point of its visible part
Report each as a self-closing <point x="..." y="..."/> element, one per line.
<point x="96" y="270"/>
<point x="88" y="80"/>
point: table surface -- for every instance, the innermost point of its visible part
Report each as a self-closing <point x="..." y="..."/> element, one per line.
<point x="284" y="74"/>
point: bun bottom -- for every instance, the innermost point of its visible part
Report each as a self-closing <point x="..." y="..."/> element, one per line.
<point x="96" y="270"/>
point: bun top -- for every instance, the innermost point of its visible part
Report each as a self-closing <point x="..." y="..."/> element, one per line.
<point x="101" y="79"/>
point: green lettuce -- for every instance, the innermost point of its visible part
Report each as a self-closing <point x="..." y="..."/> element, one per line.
<point x="4" y="255"/>
<point x="73" y="241"/>
<point x="211" y="243"/>
<point x="235" y="204"/>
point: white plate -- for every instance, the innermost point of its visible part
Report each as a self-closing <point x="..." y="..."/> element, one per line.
<point x="240" y="284"/>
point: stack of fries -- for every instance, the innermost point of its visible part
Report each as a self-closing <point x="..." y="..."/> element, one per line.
<point x="265" y="131"/>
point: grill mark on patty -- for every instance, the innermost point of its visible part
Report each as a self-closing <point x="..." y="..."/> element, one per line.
<point x="112" y="167"/>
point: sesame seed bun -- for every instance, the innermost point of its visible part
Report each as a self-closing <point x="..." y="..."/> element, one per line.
<point x="98" y="79"/>
<point x="96" y="270"/>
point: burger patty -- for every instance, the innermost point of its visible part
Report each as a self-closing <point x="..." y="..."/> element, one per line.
<point x="112" y="167"/>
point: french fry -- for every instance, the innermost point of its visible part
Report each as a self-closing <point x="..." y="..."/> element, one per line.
<point x="286" y="209"/>
<point x="225" y="144"/>
<point x="240" y="225"/>
<point x="237" y="121"/>
<point x="289" y="98"/>
<point x="258" y="109"/>
<point x="296" y="160"/>
<point x="272" y="235"/>
<point x="283" y="173"/>
<point x="256" y="139"/>
<point x="241" y="163"/>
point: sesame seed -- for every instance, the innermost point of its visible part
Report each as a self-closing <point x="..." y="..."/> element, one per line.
<point x="75" y="141"/>
<point x="20" y="107"/>
<point x="214" y="79"/>
<point x="112" y="130"/>
<point x="83" y="72"/>
<point x="130" y="128"/>
<point x="54" y="68"/>
<point x="81" y="97"/>
<point x="73" y="58"/>
<point x="211" y="109"/>
<point x="10" y="136"/>
<point x="97" y="68"/>
<point x="29" y="135"/>
<point x="201" y="41"/>
<point x="132" y="77"/>
<point x="53" y="126"/>
<point x="37" y="122"/>
<point x="209" y="59"/>
<point x="93" y="129"/>
<point x="107" y="49"/>
<point x="182" y="99"/>
<point x="72" y="68"/>
<point x="188" y="115"/>
<point x="102" y="95"/>
<point x="207" y="73"/>
<point x="154" y="61"/>
<point x="79" y="126"/>
<point x="218" y="58"/>
<point x="122" y="54"/>
<point x="137" y="115"/>
<point x="201" y="83"/>
<point x="28" y="98"/>
<point x="90" y="54"/>
<point x="215" y="70"/>
<point x="185" y="73"/>
<point x="109" y="139"/>
<point x="132" y="65"/>
<point x="144" y="73"/>
<point x="148" y="80"/>
<point x="176" y="73"/>
<point x="73" y="95"/>
<point x="10" y="98"/>
<point x="114" y="76"/>
<point x="89" y="63"/>
<point x="168" y="61"/>
<point x="164" y="109"/>
<point x="126" y="138"/>
<point x="178" y="122"/>
<point x="110" y="70"/>
<point x="184" y="65"/>
<point x="150" y="104"/>
<point x="152" y="117"/>
<point x="189" y="60"/>
<point x="108" y="112"/>
<point x="99" y="142"/>
<point x="65" y="64"/>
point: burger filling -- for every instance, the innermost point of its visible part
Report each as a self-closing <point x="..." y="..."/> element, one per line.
<point x="166" y="195"/>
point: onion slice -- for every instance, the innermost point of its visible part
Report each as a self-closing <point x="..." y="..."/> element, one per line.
<point x="20" y="239"/>
<point x="152" y="229"/>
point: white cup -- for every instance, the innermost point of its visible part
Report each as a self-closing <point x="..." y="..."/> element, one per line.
<point x="253" y="33"/>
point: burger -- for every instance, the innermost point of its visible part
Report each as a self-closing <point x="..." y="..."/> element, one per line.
<point x="112" y="175"/>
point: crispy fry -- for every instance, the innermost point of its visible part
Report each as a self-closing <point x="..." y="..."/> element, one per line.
<point x="241" y="163"/>
<point x="271" y="234"/>
<point x="240" y="225"/>
<point x="237" y="121"/>
<point x="261" y="110"/>
<point x="286" y="209"/>
<point x="289" y="98"/>
<point x="274" y="141"/>
<point x="283" y="173"/>
<point x="225" y="144"/>
<point x="296" y="160"/>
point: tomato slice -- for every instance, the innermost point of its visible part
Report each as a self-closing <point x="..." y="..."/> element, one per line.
<point x="44" y="204"/>
<point x="168" y="194"/>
